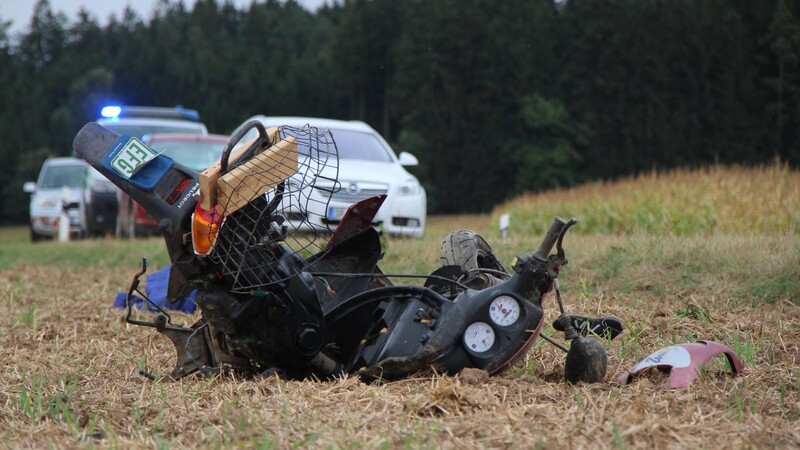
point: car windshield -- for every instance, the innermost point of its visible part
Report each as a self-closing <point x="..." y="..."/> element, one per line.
<point x="358" y="145"/>
<point x="140" y="130"/>
<point x="195" y="155"/>
<point x="350" y="144"/>
<point x="58" y="176"/>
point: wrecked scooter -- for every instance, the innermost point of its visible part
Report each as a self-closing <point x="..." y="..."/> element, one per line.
<point x="276" y="298"/>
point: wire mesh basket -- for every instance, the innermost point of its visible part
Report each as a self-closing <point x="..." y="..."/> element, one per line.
<point x="274" y="203"/>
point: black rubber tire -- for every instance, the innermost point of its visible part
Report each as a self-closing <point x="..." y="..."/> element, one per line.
<point x="36" y="237"/>
<point x="92" y="229"/>
<point x="470" y="250"/>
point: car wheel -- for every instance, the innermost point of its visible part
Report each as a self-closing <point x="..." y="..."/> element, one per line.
<point x="87" y="231"/>
<point x="36" y="237"/>
<point x="92" y="230"/>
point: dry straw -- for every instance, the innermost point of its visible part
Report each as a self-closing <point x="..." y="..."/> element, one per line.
<point x="70" y="365"/>
<point x="738" y="200"/>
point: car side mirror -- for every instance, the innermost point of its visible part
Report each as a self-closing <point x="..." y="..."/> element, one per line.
<point x="29" y="187"/>
<point x="407" y="159"/>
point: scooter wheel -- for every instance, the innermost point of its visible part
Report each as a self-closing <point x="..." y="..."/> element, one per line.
<point x="470" y="251"/>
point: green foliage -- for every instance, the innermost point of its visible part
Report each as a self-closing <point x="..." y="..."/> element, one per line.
<point x="693" y="310"/>
<point x="29" y="318"/>
<point x="38" y="402"/>
<point x="549" y="156"/>
<point x="783" y="38"/>
<point x="494" y="98"/>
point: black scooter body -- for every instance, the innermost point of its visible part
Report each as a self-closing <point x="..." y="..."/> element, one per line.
<point x="166" y="189"/>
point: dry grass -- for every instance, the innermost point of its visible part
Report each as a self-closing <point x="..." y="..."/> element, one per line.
<point x="69" y="372"/>
<point x="69" y="363"/>
<point x="740" y="200"/>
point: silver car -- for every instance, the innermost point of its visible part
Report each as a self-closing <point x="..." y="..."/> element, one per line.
<point x="367" y="167"/>
<point x="71" y="186"/>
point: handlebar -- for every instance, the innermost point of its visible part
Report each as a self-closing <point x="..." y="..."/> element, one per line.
<point x="559" y="248"/>
<point x="262" y="131"/>
<point x="550" y="239"/>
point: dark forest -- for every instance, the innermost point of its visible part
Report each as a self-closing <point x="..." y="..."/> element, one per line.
<point x="495" y="98"/>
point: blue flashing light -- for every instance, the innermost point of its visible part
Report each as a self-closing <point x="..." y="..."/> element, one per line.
<point x="189" y="114"/>
<point x="111" y="111"/>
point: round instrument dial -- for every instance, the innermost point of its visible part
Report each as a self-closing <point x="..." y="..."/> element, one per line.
<point x="479" y="337"/>
<point x="504" y="310"/>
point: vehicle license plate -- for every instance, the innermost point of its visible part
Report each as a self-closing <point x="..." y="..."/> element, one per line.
<point x="336" y="212"/>
<point x="134" y="154"/>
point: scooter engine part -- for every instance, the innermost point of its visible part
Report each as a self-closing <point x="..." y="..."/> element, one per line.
<point x="479" y="337"/>
<point x="504" y="310"/>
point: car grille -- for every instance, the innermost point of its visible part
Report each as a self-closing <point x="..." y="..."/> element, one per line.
<point x="346" y="197"/>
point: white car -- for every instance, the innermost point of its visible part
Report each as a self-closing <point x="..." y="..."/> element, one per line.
<point x="367" y="167"/>
<point x="72" y="186"/>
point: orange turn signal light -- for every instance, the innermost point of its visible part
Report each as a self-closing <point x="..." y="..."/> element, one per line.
<point x="205" y="227"/>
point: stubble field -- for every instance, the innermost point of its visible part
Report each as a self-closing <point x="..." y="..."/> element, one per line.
<point x="70" y="364"/>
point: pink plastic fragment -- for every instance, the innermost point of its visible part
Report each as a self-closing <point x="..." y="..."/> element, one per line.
<point x="683" y="361"/>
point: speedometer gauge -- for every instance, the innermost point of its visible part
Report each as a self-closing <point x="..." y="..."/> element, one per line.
<point x="479" y="337"/>
<point x="504" y="310"/>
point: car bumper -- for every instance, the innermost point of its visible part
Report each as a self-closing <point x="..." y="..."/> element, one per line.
<point x="399" y="216"/>
<point x="48" y="225"/>
<point x="403" y="215"/>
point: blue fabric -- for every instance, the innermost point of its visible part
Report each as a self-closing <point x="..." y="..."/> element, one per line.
<point x="156" y="290"/>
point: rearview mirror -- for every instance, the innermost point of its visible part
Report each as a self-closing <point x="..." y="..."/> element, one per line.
<point x="407" y="159"/>
<point x="29" y="187"/>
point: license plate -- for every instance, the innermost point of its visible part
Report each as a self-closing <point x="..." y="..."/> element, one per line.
<point x="336" y="212"/>
<point x="133" y="155"/>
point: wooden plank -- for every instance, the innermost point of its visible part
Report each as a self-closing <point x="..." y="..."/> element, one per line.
<point x="208" y="177"/>
<point x="257" y="176"/>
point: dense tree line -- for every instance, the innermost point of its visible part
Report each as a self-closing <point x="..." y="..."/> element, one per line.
<point x="494" y="98"/>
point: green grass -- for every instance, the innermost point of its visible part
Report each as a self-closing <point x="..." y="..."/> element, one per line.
<point x="765" y="269"/>
<point x="108" y="253"/>
<point x="667" y="290"/>
<point x="756" y="269"/>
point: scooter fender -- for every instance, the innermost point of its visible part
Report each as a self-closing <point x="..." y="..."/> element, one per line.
<point x="683" y="362"/>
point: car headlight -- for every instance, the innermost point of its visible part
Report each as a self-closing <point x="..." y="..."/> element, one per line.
<point x="410" y="187"/>
<point x="46" y="203"/>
